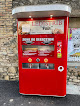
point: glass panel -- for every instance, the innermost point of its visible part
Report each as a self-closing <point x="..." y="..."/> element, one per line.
<point x="36" y="50"/>
<point x="37" y="66"/>
<point x="30" y="50"/>
<point x="45" y="50"/>
<point x="30" y="65"/>
<point x="46" y="66"/>
<point x="41" y="27"/>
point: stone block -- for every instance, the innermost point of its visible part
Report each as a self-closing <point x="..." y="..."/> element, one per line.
<point x="76" y="80"/>
<point x="6" y="77"/>
<point x="1" y="70"/>
<point x="12" y="70"/>
<point x="15" y="64"/>
<point x="11" y="74"/>
<point x="76" y="74"/>
<point x="79" y="73"/>
<point x="70" y="80"/>
<point x="70" y="83"/>
<point x="5" y="69"/>
<point x="11" y="54"/>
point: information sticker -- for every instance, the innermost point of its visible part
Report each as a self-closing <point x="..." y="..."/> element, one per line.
<point x="59" y="49"/>
<point x="26" y="28"/>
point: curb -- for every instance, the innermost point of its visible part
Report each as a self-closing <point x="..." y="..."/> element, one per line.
<point x="73" y="89"/>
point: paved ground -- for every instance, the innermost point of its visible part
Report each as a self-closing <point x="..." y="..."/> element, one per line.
<point x="9" y="96"/>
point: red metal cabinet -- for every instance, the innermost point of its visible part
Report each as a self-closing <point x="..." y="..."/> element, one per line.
<point x="42" y="61"/>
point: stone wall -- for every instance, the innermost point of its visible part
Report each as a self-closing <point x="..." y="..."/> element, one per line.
<point x="73" y="75"/>
<point x="74" y="22"/>
<point x="6" y="19"/>
<point x="9" y="58"/>
<point x="8" y="37"/>
<point x="8" y="43"/>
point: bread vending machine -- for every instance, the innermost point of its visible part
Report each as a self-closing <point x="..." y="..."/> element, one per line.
<point x="42" y="52"/>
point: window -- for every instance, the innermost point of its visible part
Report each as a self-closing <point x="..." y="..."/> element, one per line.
<point x="37" y="66"/>
<point x="36" y="50"/>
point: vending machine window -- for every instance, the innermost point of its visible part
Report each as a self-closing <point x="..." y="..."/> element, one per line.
<point x="37" y="66"/>
<point x="30" y="65"/>
<point x="46" y="66"/>
<point x="38" y="50"/>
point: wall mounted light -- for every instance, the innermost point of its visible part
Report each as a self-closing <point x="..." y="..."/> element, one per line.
<point x="29" y="16"/>
<point x="51" y="16"/>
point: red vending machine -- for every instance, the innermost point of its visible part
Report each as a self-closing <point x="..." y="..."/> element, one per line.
<point x="42" y="51"/>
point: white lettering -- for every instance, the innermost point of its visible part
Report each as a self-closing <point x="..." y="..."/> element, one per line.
<point x="38" y="39"/>
<point x="32" y="39"/>
<point x="44" y="39"/>
<point x="25" y="39"/>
